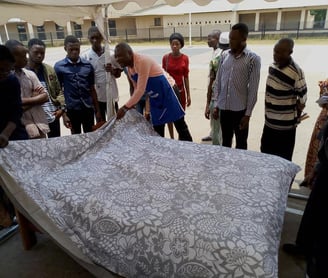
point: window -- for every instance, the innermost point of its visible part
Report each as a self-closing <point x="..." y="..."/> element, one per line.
<point x="77" y="30"/>
<point x="157" y="21"/>
<point x="112" y="27"/>
<point x="41" y="32"/>
<point x="22" y="32"/>
<point x="60" y="32"/>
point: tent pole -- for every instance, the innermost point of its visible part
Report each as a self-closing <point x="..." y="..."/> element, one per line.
<point x="110" y="101"/>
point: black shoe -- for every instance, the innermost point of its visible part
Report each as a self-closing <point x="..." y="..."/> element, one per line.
<point x="293" y="249"/>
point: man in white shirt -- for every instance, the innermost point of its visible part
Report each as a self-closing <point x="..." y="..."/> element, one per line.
<point x="105" y="76"/>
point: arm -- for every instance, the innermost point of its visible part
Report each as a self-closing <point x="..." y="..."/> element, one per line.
<point x="209" y="93"/>
<point x="6" y="133"/>
<point x="215" y="94"/>
<point x="95" y="103"/>
<point x="38" y="97"/>
<point x="186" y="80"/>
<point x="253" y="85"/>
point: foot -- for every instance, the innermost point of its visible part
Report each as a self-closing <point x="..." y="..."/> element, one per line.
<point x="207" y="138"/>
<point x="293" y="249"/>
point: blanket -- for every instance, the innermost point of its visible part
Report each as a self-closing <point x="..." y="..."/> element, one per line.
<point x="139" y="205"/>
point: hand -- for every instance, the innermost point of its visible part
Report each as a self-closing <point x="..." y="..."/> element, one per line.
<point x="108" y="67"/>
<point x="37" y="91"/>
<point x="3" y="141"/>
<point x="215" y="113"/>
<point x="58" y="113"/>
<point x="120" y="113"/>
<point x="98" y="117"/>
<point x="67" y="121"/>
<point x="147" y="116"/>
<point x="188" y="100"/>
<point x="207" y="112"/>
<point x="244" y="122"/>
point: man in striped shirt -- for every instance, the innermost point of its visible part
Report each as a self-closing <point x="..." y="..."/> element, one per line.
<point x="285" y="99"/>
<point x="235" y="89"/>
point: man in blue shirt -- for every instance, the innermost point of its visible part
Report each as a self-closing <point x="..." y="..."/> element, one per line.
<point x="76" y="77"/>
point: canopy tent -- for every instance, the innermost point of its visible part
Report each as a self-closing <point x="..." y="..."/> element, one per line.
<point x="62" y="11"/>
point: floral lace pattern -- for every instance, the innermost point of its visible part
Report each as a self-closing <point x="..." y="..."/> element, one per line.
<point x="144" y="206"/>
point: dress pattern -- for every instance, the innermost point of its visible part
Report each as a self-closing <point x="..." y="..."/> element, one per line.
<point x="117" y="195"/>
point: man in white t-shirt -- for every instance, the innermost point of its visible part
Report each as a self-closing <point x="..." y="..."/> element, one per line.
<point x="105" y="76"/>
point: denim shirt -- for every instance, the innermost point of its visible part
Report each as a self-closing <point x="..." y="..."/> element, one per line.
<point x="76" y="79"/>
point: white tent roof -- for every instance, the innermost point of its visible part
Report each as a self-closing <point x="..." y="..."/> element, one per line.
<point x="62" y="11"/>
<point x="224" y="6"/>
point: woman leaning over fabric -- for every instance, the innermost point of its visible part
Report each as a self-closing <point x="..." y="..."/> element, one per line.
<point x="177" y="65"/>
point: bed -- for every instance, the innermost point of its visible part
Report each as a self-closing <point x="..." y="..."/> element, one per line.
<point x="124" y="201"/>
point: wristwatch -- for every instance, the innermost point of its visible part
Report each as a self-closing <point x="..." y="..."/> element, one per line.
<point x="125" y="108"/>
<point x="63" y="108"/>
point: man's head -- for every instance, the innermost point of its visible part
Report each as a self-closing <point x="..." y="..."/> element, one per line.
<point x="238" y="37"/>
<point x="7" y="62"/>
<point x="123" y="54"/>
<point x="95" y="37"/>
<point x="36" y="51"/>
<point x="282" y="52"/>
<point x="72" y="47"/>
<point x="19" y="51"/>
<point x="213" y="39"/>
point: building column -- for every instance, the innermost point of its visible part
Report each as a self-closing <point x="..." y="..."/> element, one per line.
<point x="30" y="30"/>
<point x="278" y="20"/>
<point x="234" y="18"/>
<point x="69" y="28"/>
<point x="302" y="19"/>
<point x="326" y="21"/>
<point x="257" y="22"/>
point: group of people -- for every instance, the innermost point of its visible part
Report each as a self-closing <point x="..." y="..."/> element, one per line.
<point x="82" y="88"/>
<point x="232" y="94"/>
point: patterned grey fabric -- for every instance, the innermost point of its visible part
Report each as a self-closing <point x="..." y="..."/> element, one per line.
<point x="144" y="206"/>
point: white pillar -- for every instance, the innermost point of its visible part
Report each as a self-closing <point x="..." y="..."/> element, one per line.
<point x="189" y="29"/>
<point x="279" y="20"/>
<point x="234" y="18"/>
<point x="302" y="19"/>
<point x="257" y="21"/>
<point x="30" y="30"/>
<point x="6" y="30"/>
<point x="326" y="21"/>
<point x="69" y="28"/>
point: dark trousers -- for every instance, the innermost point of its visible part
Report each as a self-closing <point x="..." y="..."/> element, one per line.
<point x="230" y="121"/>
<point x="278" y="142"/>
<point x="181" y="127"/>
<point x="84" y="117"/>
<point x="103" y="109"/>
<point x="312" y="234"/>
<point x="54" y="129"/>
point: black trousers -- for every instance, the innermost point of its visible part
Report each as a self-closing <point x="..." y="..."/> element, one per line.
<point x="278" y="142"/>
<point x="54" y="129"/>
<point x="181" y="127"/>
<point x="230" y="121"/>
<point x="84" y="117"/>
<point x="103" y="109"/>
<point x="312" y="235"/>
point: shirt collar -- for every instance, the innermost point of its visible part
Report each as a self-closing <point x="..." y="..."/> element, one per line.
<point x="68" y="60"/>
